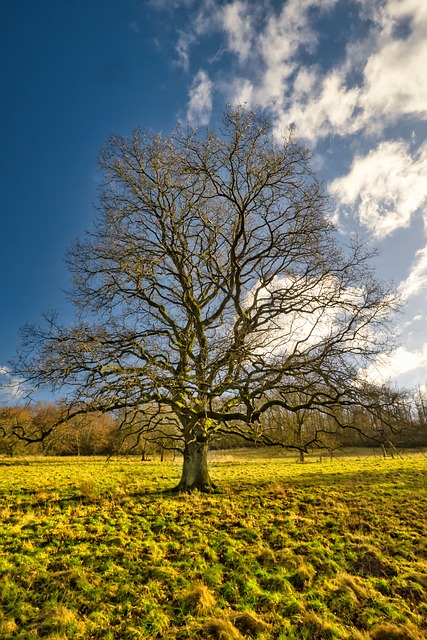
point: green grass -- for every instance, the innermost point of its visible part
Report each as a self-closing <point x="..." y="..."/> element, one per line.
<point x="332" y="549"/>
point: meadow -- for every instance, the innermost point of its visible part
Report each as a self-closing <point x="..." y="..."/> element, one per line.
<point x="95" y="549"/>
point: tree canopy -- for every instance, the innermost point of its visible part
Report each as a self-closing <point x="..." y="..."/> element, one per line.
<point x="211" y="288"/>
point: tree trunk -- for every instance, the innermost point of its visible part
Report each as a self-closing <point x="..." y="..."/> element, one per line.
<point x="195" y="474"/>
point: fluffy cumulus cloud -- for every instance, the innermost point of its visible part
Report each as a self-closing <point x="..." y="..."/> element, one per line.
<point x="321" y="106"/>
<point x="403" y="364"/>
<point x="276" y="47"/>
<point x="200" y="100"/>
<point x="377" y="78"/>
<point x="388" y="61"/>
<point x="237" y="23"/>
<point x="395" y="82"/>
<point x="386" y="187"/>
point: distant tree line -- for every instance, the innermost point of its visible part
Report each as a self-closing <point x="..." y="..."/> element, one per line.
<point x="100" y="434"/>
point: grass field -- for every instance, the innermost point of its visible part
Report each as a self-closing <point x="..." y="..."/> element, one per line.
<point x="91" y="549"/>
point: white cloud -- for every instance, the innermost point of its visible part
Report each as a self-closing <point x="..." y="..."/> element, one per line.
<point x="417" y="279"/>
<point x="388" y="61"/>
<point x="11" y="387"/>
<point x="400" y="364"/>
<point x="395" y="81"/>
<point x="295" y="331"/>
<point x="393" y="84"/>
<point x="277" y="47"/>
<point x="386" y="187"/>
<point x="183" y="45"/>
<point x="412" y="321"/>
<point x="207" y="18"/>
<point x="322" y="106"/>
<point x="390" y="64"/>
<point x="237" y="22"/>
<point x="242" y="92"/>
<point x="200" y="100"/>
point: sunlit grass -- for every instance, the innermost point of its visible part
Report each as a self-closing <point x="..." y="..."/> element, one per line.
<point x="331" y="549"/>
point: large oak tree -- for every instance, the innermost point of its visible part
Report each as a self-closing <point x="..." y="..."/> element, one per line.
<point x="210" y="289"/>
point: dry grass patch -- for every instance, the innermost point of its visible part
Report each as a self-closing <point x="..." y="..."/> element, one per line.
<point x="395" y="632"/>
<point x="58" y="618"/>
<point x="314" y="628"/>
<point x="247" y="623"/>
<point x="302" y="577"/>
<point x="219" y="629"/>
<point x="8" y="628"/>
<point x="199" y="600"/>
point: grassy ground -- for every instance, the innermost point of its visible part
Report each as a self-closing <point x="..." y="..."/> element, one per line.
<point x="323" y="550"/>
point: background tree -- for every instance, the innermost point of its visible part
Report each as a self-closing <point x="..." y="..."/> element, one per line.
<point x="147" y="433"/>
<point x="11" y="419"/>
<point x="212" y="288"/>
<point x="86" y="434"/>
<point x="45" y="415"/>
<point x="418" y="434"/>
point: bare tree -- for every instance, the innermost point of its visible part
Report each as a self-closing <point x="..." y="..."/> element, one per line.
<point x="212" y="287"/>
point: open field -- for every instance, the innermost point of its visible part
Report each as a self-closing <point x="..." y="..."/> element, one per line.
<point x="335" y="549"/>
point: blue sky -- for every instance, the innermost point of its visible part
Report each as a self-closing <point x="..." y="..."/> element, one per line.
<point x="349" y="75"/>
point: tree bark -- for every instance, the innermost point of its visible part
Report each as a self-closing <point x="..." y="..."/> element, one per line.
<point x="195" y="473"/>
